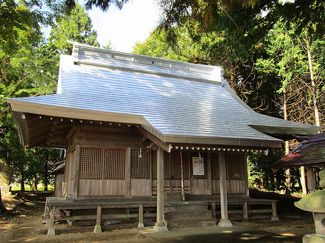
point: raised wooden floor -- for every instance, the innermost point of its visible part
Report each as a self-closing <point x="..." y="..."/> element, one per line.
<point x="144" y="207"/>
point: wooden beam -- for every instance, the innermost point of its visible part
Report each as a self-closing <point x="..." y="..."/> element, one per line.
<point x="154" y="139"/>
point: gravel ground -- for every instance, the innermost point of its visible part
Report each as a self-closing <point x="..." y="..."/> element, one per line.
<point x="23" y="224"/>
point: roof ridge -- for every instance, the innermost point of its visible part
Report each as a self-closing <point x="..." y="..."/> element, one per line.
<point x="201" y="71"/>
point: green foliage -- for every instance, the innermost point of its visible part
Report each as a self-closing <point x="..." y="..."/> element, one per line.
<point x="287" y="61"/>
<point x="28" y="67"/>
<point x="76" y="26"/>
<point x="17" y="20"/>
<point x="260" y="173"/>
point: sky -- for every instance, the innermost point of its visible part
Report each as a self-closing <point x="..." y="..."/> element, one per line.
<point x="127" y="26"/>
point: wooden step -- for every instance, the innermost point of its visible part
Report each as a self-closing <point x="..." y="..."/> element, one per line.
<point x="186" y="215"/>
<point x="191" y="223"/>
<point x="185" y="207"/>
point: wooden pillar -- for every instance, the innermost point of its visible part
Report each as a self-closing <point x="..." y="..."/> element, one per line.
<point x="224" y="221"/>
<point x="311" y="182"/>
<point x="76" y="172"/>
<point x="160" y="224"/>
<point x="98" y="227"/>
<point x="209" y="174"/>
<point x="274" y="213"/>
<point x="128" y="172"/>
<point x="51" y="230"/>
<point x="140" y="224"/>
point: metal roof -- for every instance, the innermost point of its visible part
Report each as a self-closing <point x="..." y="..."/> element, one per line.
<point x="175" y="101"/>
<point x="310" y="152"/>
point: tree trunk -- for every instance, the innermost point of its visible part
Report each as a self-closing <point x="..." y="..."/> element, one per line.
<point x="2" y="207"/>
<point x="22" y="180"/>
<point x="313" y="83"/>
<point x="35" y="182"/>
<point x="45" y="176"/>
<point x="287" y="149"/>
<point x="303" y="180"/>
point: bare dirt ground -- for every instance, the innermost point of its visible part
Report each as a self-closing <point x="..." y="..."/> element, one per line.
<point x="23" y="223"/>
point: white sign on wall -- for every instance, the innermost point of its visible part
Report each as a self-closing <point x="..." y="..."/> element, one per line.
<point x="198" y="166"/>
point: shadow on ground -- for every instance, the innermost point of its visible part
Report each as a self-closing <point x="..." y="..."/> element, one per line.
<point x="215" y="234"/>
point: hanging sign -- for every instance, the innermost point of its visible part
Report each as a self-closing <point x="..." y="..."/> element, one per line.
<point x="198" y="166"/>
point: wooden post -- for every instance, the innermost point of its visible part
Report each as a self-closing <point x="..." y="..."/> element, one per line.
<point x="76" y="172"/>
<point x="245" y="211"/>
<point x="128" y="172"/>
<point x="98" y="227"/>
<point x="209" y="174"/>
<point x="274" y="214"/>
<point x="311" y="182"/>
<point x="224" y="221"/>
<point x="160" y="224"/>
<point x="213" y="206"/>
<point x="51" y="230"/>
<point x="140" y="224"/>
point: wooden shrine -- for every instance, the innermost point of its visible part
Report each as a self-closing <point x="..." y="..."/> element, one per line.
<point x="147" y="137"/>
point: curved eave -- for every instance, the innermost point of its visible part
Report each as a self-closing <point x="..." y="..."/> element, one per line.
<point x="20" y="108"/>
<point x="305" y="130"/>
<point x="72" y="113"/>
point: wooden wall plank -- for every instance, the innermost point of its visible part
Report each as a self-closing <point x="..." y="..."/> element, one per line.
<point x="141" y="187"/>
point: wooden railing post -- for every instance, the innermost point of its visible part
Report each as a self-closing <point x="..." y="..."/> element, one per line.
<point x="274" y="214"/>
<point x="245" y="211"/>
<point x="140" y="224"/>
<point x="213" y="205"/>
<point x="98" y="227"/>
<point x="51" y="230"/>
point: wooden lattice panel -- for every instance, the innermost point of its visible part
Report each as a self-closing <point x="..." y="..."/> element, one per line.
<point x="91" y="163"/>
<point x="102" y="163"/>
<point x="140" y="167"/>
<point x="114" y="164"/>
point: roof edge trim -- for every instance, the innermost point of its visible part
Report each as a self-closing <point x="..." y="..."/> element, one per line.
<point x="132" y="55"/>
<point x="312" y="130"/>
<point x="274" y="143"/>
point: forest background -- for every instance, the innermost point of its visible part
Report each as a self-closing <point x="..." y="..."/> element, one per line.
<point x="272" y="52"/>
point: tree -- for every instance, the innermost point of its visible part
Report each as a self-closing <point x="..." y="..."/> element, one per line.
<point x="27" y="68"/>
<point x="76" y="26"/>
<point x="290" y="57"/>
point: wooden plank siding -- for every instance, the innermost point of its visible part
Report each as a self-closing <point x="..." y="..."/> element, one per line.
<point x="133" y="170"/>
<point x="99" y="188"/>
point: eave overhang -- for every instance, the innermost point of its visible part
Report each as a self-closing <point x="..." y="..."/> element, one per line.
<point x="20" y="108"/>
<point x="285" y="130"/>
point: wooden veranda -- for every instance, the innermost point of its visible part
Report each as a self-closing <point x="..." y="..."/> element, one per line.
<point x="141" y="209"/>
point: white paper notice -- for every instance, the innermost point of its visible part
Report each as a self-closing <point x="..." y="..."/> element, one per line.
<point x="198" y="166"/>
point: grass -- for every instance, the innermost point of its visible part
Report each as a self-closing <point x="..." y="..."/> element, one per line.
<point x="40" y="187"/>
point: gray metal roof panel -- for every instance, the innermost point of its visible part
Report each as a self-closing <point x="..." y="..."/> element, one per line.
<point x="173" y="106"/>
